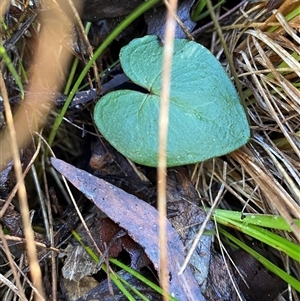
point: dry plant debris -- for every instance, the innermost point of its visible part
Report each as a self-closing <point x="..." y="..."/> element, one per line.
<point x="261" y="177"/>
<point x="139" y="219"/>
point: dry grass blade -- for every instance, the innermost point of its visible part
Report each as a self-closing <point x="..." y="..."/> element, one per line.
<point x="264" y="175"/>
<point x="28" y="232"/>
<point x="28" y="118"/>
<point x="275" y="195"/>
<point x="18" y="288"/>
<point x="271" y="161"/>
<point x="8" y="283"/>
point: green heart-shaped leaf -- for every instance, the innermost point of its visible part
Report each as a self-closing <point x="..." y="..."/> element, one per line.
<point x="206" y="118"/>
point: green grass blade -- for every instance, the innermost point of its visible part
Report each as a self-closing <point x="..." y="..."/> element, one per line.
<point x="139" y="277"/>
<point x="127" y="21"/>
<point x="12" y="70"/>
<point x="121" y="287"/>
<point x="262" y="220"/>
<point x="95" y="257"/>
<point x="74" y="65"/>
<point x="266" y="263"/>
<point x="118" y="280"/>
<point x="265" y="236"/>
<point x="139" y="294"/>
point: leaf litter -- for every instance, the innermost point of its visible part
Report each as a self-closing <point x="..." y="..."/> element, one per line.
<point x="272" y="106"/>
<point x="139" y="219"/>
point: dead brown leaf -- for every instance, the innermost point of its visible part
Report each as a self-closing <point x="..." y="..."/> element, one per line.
<point x="140" y="220"/>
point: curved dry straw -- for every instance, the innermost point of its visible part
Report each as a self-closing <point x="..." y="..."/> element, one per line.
<point x="264" y="176"/>
<point x="266" y="170"/>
